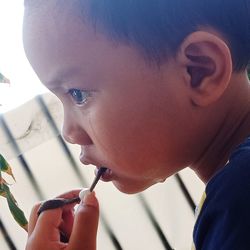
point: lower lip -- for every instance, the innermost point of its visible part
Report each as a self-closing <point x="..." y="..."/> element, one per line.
<point x="107" y="176"/>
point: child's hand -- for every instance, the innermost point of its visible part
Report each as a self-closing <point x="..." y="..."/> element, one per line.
<point x="79" y="227"/>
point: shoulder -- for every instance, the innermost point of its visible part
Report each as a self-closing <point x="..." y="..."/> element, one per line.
<point x="224" y="219"/>
<point x="234" y="178"/>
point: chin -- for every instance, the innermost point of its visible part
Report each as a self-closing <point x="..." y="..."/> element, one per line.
<point x="131" y="188"/>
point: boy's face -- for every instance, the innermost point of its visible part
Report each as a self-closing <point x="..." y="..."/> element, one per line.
<point x="117" y="108"/>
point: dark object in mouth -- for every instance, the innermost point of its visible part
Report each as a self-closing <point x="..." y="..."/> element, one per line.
<point x="100" y="172"/>
<point x="59" y="202"/>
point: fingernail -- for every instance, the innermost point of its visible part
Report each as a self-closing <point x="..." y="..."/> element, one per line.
<point x="83" y="192"/>
<point x="90" y="199"/>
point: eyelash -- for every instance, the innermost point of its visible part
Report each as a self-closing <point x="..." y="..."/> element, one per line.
<point x="77" y="94"/>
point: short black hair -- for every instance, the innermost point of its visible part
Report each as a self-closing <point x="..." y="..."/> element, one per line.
<point x="158" y="27"/>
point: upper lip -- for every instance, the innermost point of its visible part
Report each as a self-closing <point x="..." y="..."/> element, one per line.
<point x="86" y="157"/>
<point x="88" y="160"/>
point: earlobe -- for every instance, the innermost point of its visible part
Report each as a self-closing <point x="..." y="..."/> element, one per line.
<point x="208" y="66"/>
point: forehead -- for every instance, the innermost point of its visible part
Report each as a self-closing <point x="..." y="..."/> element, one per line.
<point x="58" y="39"/>
<point x="42" y="3"/>
<point x="55" y="8"/>
<point x="32" y="3"/>
<point x="53" y="34"/>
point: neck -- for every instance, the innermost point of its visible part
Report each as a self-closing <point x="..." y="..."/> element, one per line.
<point x="232" y="131"/>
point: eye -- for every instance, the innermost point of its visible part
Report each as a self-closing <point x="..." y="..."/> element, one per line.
<point x="80" y="97"/>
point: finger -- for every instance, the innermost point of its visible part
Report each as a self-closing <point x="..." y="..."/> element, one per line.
<point x="67" y="222"/>
<point x="71" y="194"/>
<point x="33" y="218"/>
<point x="85" y="225"/>
<point x="67" y="195"/>
<point x="68" y="212"/>
<point x="48" y="224"/>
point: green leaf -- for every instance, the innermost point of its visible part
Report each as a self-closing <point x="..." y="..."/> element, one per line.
<point x="1" y="180"/>
<point x="5" y="167"/>
<point x="17" y="213"/>
<point x="2" y="192"/>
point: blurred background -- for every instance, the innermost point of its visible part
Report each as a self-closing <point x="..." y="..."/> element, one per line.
<point x="13" y="64"/>
<point x="45" y="165"/>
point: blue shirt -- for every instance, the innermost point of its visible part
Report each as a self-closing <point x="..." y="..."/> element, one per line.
<point x="223" y="222"/>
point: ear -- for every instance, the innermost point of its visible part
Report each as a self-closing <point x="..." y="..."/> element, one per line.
<point x="207" y="66"/>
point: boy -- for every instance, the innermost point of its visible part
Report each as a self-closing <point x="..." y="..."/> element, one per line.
<point x="149" y="88"/>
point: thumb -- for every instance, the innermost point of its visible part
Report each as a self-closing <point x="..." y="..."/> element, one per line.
<point x="85" y="225"/>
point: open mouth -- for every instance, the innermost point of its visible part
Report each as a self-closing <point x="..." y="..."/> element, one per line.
<point x="107" y="176"/>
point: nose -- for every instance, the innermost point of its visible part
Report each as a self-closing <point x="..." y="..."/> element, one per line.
<point x="74" y="133"/>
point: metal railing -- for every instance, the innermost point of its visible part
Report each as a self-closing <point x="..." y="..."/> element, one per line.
<point x="109" y="230"/>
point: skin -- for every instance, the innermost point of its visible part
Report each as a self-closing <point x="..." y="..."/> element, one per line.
<point x="147" y="143"/>
<point x="143" y="122"/>
<point x="44" y="231"/>
<point x="139" y="147"/>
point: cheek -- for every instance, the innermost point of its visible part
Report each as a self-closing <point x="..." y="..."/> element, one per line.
<point x="135" y="128"/>
<point x="131" y="139"/>
<point x="115" y="135"/>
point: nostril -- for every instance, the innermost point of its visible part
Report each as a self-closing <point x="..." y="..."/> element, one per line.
<point x="84" y="139"/>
